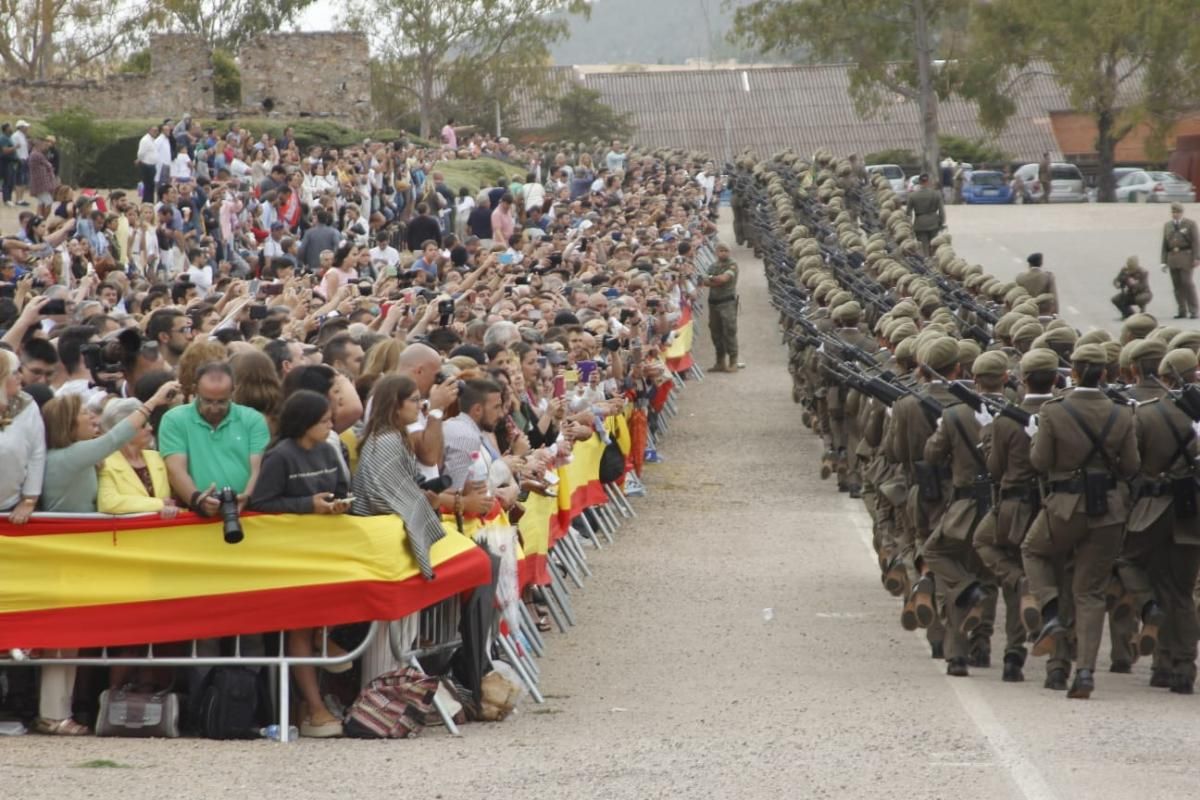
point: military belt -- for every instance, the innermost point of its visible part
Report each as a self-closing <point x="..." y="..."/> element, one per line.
<point x="1019" y="493"/>
<point x="721" y="300"/>
<point x="1159" y="488"/>
<point x="1076" y="485"/>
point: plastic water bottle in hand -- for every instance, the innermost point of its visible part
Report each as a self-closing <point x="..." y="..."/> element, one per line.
<point x="478" y="471"/>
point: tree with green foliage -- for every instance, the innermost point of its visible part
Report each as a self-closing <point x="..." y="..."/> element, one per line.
<point x="424" y="43"/>
<point x="583" y="116"/>
<point x="905" y="48"/>
<point x="80" y="140"/>
<point x="1124" y="62"/>
<point x="48" y="39"/>
<point x="228" y="24"/>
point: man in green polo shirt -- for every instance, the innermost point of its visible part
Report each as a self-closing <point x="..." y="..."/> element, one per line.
<point x="212" y="442"/>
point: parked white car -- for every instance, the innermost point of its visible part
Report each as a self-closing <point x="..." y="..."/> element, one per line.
<point x="894" y="175"/>
<point x="1144" y="186"/>
<point x="1066" y="183"/>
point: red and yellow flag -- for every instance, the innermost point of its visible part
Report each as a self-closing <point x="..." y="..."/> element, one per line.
<point x="88" y="583"/>
<point x="679" y="353"/>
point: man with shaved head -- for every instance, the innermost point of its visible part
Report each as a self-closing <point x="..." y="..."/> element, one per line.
<point x="422" y="363"/>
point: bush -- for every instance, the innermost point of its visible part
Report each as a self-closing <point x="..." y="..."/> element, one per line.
<point x="477" y="174"/>
<point x="80" y="142"/>
<point x="973" y="151"/>
<point x="227" y="79"/>
<point x="896" y="155"/>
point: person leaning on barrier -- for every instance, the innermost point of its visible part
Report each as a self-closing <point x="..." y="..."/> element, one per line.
<point x="1086" y="449"/>
<point x="22" y="445"/>
<point x="302" y="474"/>
<point x="212" y="442"/>
<point x="134" y="479"/>
<point x="387" y="478"/>
<point x="1133" y="288"/>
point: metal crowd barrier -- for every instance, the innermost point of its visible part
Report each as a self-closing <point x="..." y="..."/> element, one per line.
<point x="437" y="629"/>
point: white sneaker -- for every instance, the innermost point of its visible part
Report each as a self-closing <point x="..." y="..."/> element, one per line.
<point x="634" y="486"/>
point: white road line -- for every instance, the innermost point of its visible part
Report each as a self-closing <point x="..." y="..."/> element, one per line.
<point x="1022" y="772"/>
<point x="1074" y="311"/>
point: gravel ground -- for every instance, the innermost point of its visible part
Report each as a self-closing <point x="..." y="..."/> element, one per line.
<point x="676" y="683"/>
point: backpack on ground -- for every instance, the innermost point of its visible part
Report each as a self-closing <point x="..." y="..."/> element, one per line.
<point x="231" y="704"/>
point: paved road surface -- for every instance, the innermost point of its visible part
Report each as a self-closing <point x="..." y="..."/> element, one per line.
<point x="675" y="685"/>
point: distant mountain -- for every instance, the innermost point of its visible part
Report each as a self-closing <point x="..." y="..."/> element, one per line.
<point x="651" y="32"/>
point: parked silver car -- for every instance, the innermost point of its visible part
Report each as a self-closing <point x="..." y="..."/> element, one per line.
<point x="1066" y="183"/>
<point x="1145" y="186"/>
<point x="894" y="175"/>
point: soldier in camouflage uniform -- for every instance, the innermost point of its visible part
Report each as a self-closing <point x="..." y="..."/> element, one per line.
<point x="723" y="310"/>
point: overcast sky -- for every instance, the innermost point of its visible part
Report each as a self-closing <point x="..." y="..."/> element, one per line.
<point x="319" y="16"/>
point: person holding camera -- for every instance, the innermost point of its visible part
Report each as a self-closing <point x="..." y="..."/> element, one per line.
<point x="388" y="480"/>
<point x="212" y="442"/>
<point x="73" y="450"/>
<point x="301" y="474"/>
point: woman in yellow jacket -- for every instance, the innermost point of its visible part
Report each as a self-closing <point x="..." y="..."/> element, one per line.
<point x="133" y="479"/>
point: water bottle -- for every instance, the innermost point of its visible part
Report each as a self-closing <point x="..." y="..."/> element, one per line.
<point x="272" y="732"/>
<point x="478" y="471"/>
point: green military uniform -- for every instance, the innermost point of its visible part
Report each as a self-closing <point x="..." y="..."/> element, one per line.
<point x="1161" y="555"/>
<point x="1180" y="241"/>
<point x="1036" y="280"/>
<point x="1133" y="285"/>
<point x="949" y="552"/>
<point x="928" y="214"/>
<point x="1083" y="439"/>
<point x="998" y="537"/>
<point x="722" y="314"/>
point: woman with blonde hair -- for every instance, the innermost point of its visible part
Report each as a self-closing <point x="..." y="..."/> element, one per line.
<point x="73" y="451"/>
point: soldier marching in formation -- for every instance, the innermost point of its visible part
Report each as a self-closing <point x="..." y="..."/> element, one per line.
<point x="1000" y="454"/>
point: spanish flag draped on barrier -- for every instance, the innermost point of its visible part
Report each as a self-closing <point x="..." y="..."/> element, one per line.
<point x="95" y="582"/>
<point x="679" y="353"/>
<point x="579" y="481"/>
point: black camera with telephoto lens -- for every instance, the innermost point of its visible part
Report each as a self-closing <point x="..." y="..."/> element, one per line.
<point x="231" y="524"/>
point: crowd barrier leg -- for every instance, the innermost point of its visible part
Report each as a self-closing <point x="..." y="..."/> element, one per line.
<point x="574" y="547"/>
<point x="443" y="712"/>
<point x="556" y="612"/>
<point x="697" y="373"/>
<point x="532" y="634"/>
<point x="589" y="530"/>
<point x="511" y="656"/>
<point x="558" y="590"/>
<point x="615" y="494"/>
<point x="285" y="697"/>
<point x="602" y="521"/>
<point x="614" y="520"/>
<point x="567" y="559"/>
<point x="597" y="526"/>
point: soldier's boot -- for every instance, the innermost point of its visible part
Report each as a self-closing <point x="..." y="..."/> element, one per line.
<point x="1031" y="615"/>
<point x="1153" y="618"/>
<point x="1083" y="685"/>
<point x="1052" y="631"/>
<point x="1014" y="664"/>
<point x="828" y="464"/>
<point x="1183" y="677"/>
<point x="957" y="667"/>
<point x="923" y="601"/>
<point x="719" y="366"/>
<point x="895" y="576"/>
<point x="971" y="601"/>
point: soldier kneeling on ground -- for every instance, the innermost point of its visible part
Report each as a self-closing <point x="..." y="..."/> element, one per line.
<point x="1133" y="288"/>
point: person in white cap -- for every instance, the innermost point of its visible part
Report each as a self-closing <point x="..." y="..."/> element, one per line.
<point x="20" y="140"/>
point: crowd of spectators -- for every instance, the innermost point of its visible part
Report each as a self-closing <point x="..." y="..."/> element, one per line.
<point x="320" y="330"/>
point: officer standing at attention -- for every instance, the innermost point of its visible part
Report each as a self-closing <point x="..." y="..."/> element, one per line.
<point x="1133" y="288"/>
<point x="1179" y="242"/>
<point x="1085" y="448"/>
<point x="927" y="211"/>
<point x="723" y="309"/>
<point x="1036" y="280"/>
